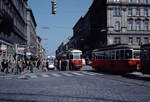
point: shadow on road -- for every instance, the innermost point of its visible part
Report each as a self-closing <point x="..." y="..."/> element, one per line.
<point x="136" y="77"/>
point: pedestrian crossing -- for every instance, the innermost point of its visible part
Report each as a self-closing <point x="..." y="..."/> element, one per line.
<point x="58" y="74"/>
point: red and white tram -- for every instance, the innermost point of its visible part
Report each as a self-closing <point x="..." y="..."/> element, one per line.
<point x="71" y="59"/>
<point x="117" y="59"/>
<point x="145" y="59"/>
<point x="75" y="58"/>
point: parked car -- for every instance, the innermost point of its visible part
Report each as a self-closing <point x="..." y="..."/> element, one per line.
<point x="51" y="66"/>
<point x="83" y="62"/>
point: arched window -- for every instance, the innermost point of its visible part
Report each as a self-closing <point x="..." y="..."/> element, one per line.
<point x="117" y="25"/>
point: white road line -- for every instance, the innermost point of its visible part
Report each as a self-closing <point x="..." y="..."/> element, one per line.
<point x="21" y="77"/>
<point x="89" y="73"/>
<point x="32" y="76"/>
<point x="56" y="75"/>
<point x="45" y="75"/>
<point x="66" y="74"/>
<point x="76" y="73"/>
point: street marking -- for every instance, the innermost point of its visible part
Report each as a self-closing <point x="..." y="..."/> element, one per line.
<point x="90" y="73"/>
<point x="32" y="76"/>
<point x="21" y="77"/>
<point x="45" y="75"/>
<point x="56" y="75"/>
<point x="66" y="74"/>
<point x="76" y="73"/>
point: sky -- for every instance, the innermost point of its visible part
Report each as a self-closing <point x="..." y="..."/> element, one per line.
<point x="53" y="29"/>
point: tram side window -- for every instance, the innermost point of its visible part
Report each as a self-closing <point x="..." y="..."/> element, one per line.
<point x="136" y="54"/>
<point x="117" y="54"/>
<point x="113" y="54"/>
<point x="128" y="54"/>
<point x="121" y="54"/>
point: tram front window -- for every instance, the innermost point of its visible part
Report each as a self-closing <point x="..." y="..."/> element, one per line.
<point x="76" y="57"/>
<point x="136" y="54"/>
<point x="128" y="54"/>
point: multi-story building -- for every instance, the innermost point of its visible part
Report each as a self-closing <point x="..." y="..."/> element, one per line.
<point x="128" y="21"/>
<point x="39" y="47"/>
<point x="31" y="32"/>
<point x="12" y="26"/>
<point x="114" y="22"/>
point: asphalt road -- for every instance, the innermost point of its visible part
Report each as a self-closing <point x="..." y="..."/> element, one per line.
<point x="74" y="86"/>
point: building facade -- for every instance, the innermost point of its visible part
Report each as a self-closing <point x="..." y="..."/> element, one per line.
<point x="39" y="47"/>
<point x="31" y="33"/>
<point x="128" y="21"/>
<point x="12" y="26"/>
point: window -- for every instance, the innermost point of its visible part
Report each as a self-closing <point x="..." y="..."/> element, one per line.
<point x="130" y="12"/>
<point x="130" y="40"/>
<point x="128" y="54"/>
<point x="137" y="12"/>
<point x="145" y="12"/>
<point x="136" y="54"/>
<point x="137" y="1"/>
<point x="129" y="1"/>
<point x="117" y="25"/>
<point x="146" y="26"/>
<point x="116" y="0"/>
<point x="117" y="40"/>
<point x="138" y="40"/>
<point x="76" y="57"/>
<point x="146" y="40"/>
<point x="130" y="25"/>
<point x="138" y="25"/>
<point x="116" y="11"/>
<point x="145" y="1"/>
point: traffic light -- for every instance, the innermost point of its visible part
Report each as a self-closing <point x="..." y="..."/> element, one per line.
<point x="53" y="6"/>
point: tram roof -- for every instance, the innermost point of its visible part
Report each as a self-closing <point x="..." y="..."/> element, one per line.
<point x="118" y="46"/>
<point x="75" y="50"/>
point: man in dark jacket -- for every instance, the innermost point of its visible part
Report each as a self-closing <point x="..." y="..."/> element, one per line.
<point x="3" y="66"/>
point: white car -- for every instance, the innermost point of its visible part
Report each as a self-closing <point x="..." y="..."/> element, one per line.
<point x="51" y="66"/>
<point x="83" y="62"/>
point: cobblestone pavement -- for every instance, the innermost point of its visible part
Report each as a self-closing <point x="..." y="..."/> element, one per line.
<point x="74" y="86"/>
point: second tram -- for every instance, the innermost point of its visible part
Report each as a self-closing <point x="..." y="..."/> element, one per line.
<point x="117" y="59"/>
<point x="145" y="59"/>
<point x="75" y="59"/>
<point x="70" y="60"/>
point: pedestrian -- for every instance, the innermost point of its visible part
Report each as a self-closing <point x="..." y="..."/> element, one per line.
<point x="6" y="66"/>
<point x="38" y="64"/>
<point x="9" y="66"/>
<point x="20" y="66"/>
<point x="59" y="68"/>
<point x="3" y="66"/>
<point x="31" y="66"/>
<point x="28" y="64"/>
<point x="23" y="65"/>
<point x="47" y="64"/>
<point x="17" y="67"/>
<point x="13" y="66"/>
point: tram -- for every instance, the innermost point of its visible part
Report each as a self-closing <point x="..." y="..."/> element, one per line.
<point x="71" y="58"/>
<point x="118" y="59"/>
<point x="145" y="59"/>
<point x="75" y="59"/>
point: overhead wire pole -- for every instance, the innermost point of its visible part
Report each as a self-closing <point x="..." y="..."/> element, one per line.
<point x="53" y="2"/>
